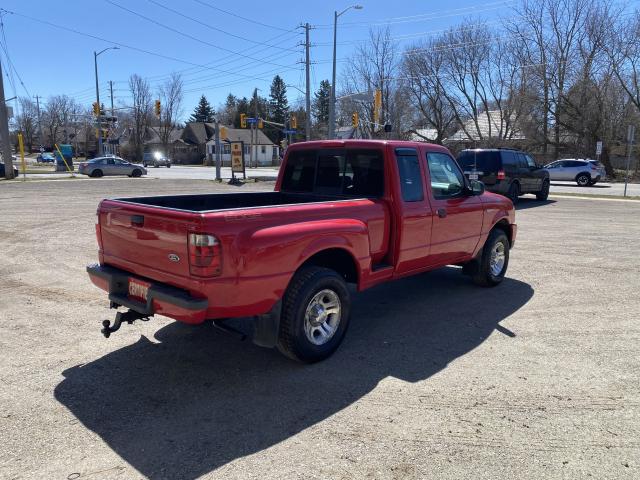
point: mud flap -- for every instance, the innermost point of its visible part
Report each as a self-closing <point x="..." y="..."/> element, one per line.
<point x="267" y="326"/>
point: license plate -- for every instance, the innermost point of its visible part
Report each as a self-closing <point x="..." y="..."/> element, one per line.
<point x="473" y="176"/>
<point x="138" y="290"/>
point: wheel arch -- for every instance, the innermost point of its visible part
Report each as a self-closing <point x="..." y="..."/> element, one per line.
<point x="338" y="259"/>
<point x="582" y="173"/>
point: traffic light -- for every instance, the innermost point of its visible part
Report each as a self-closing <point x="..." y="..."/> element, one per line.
<point x="243" y="120"/>
<point x="388" y="128"/>
<point x="377" y="105"/>
<point x="96" y="109"/>
<point x="260" y="123"/>
<point x="223" y="132"/>
<point x="355" y="119"/>
<point x="293" y="122"/>
<point x="157" y="108"/>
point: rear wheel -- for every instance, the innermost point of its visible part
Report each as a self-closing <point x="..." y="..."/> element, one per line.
<point x="136" y="173"/>
<point x="514" y="192"/>
<point x="583" y="180"/>
<point x="97" y="173"/>
<point x="315" y="315"/>
<point x="543" y="194"/>
<point x="494" y="260"/>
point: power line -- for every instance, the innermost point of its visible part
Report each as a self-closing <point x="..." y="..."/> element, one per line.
<point x="210" y="27"/>
<point x="238" y="16"/>
<point x="175" y="30"/>
<point x="123" y="45"/>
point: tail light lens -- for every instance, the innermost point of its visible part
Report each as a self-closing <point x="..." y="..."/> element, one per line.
<point x="593" y="167"/>
<point x="205" y="259"/>
<point x="501" y="175"/>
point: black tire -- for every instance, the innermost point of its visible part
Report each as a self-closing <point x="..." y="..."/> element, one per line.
<point x="583" y="180"/>
<point x="514" y="192"/>
<point x="136" y="173"/>
<point x="592" y="183"/>
<point x="306" y="285"/>
<point x="543" y="194"/>
<point x="168" y="165"/>
<point x="484" y="275"/>
<point x="97" y="173"/>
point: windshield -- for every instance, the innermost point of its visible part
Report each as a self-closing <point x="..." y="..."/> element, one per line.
<point x="484" y="161"/>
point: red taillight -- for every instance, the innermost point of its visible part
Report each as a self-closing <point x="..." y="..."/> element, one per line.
<point x="593" y="167"/>
<point x="205" y="259"/>
<point x="501" y="175"/>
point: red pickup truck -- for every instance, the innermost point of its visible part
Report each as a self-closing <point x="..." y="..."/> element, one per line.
<point x="355" y="211"/>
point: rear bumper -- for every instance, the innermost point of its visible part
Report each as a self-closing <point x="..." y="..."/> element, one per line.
<point x="161" y="299"/>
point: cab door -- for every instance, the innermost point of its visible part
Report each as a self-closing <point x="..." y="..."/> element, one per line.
<point x="457" y="215"/>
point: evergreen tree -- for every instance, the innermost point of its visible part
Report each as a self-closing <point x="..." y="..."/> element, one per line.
<point x="321" y="103"/>
<point x="278" y="103"/>
<point x="203" y="112"/>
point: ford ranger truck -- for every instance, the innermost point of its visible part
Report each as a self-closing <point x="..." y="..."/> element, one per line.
<point x="354" y="211"/>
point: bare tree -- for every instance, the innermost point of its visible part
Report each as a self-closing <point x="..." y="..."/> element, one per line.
<point x="171" y="97"/>
<point x="140" y="113"/>
<point x="27" y="121"/>
<point x="623" y="48"/>
<point x="374" y="66"/>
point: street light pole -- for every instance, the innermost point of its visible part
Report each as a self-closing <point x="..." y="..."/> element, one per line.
<point x="332" y="100"/>
<point x="99" y="125"/>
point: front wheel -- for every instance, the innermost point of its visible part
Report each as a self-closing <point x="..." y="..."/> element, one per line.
<point x="494" y="260"/>
<point x="96" y="173"/>
<point x="315" y="315"/>
<point x="543" y="194"/>
<point x="136" y="173"/>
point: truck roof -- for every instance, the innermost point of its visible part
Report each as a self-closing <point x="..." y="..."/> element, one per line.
<point x="366" y="143"/>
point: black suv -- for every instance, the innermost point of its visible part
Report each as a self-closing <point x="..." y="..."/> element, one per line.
<point x="505" y="171"/>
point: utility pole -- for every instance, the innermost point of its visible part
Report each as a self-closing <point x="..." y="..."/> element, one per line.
<point x="630" y="137"/>
<point x="5" y="144"/>
<point x="254" y="127"/>
<point x="218" y="155"/>
<point x="39" y="121"/>
<point x="308" y="90"/>
<point x="111" y="90"/>
<point x="98" y="125"/>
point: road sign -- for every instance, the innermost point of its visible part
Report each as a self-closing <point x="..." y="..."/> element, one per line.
<point x="289" y="132"/>
<point x="598" y="148"/>
<point x="237" y="157"/>
<point x="251" y="120"/>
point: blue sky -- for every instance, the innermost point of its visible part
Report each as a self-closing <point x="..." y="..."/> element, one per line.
<point x="261" y="40"/>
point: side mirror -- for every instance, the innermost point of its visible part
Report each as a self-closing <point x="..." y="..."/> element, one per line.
<point x="477" y="187"/>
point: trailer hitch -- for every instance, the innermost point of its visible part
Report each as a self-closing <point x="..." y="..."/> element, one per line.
<point x="129" y="316"/>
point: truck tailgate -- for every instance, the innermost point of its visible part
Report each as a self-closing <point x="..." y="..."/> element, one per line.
<point x="150" y="237"/>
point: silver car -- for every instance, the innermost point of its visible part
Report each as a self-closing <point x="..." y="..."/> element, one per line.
<point x="584" y="172"/>
<point x="110" y="166"/>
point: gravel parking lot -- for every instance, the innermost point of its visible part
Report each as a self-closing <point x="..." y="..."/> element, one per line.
<point x="437" y="378"/>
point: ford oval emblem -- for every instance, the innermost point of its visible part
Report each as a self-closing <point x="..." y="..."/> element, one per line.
<point x="173" y="257"/>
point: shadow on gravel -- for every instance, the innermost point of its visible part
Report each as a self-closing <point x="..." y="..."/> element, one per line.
<point x="526" y="202"/>
<point x="200" y="399"/>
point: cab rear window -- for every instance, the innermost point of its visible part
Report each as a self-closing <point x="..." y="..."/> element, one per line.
<point x="351" y="172"/>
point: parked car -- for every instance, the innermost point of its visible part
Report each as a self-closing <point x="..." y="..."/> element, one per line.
<point x="2" y="171"/>
<point x="45" y="157"/>
<point x="352" y="211"/>
<point x="155" y="159"/>
<point x="505" y="171"/>
<point x="583" y="172"/>
<point x="110" y="166"/>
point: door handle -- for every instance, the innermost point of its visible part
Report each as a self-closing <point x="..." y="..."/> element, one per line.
<point x="137" y="220"/>
<point x="441" y="212"/>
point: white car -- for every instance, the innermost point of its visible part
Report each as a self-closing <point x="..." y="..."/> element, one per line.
<point x="584" y="172"/>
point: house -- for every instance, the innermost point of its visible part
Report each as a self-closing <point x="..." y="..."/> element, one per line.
<point x="423" y="135"/>
<point x="492" y="127"/>
<point x="265" y="151"/>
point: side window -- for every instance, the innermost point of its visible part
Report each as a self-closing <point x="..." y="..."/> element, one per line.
<point x="530" y="161"/>
<point x="446" y="178"/>
<point x="110" y="161"/>
<point x="522" y="162"/>
<point x="509" y="161"/>
<point x="410" y="175"/>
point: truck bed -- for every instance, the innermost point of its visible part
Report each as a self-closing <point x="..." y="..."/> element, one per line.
<point x="229" y="201"/>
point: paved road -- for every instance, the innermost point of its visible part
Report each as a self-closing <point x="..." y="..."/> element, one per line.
<point x="208" y="173"/>
<point x="437" y="378"/>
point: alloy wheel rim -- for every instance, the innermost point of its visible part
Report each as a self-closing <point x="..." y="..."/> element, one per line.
<point x="322" y="317"/>
<point x="497" y="259"/>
